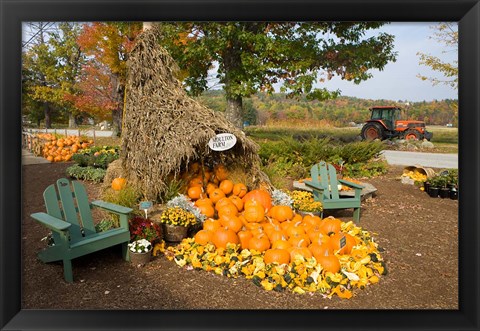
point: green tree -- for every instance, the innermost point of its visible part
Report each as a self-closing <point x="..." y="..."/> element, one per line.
<point x="257" y="56"/>
<point x="446" y="34"/>
<point x="37" y="66"/>
<point x="51" y="68"/>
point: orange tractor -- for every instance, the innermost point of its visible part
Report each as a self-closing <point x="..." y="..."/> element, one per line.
<point x="385" y="123"/>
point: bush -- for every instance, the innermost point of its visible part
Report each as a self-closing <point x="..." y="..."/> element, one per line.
<point x="93" y="174"/>
<point x="98" y="157"/>
<point x="291" y="158"/>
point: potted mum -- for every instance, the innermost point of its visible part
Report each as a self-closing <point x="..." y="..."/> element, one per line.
<point x="140" y="252"/>
<point x="304" y="203"/>
<point x="175" y="223"/>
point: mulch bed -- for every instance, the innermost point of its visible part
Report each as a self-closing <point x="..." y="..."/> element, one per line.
<point x="418" y="236"/>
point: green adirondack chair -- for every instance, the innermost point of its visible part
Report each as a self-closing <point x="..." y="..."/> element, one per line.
<point x="70" y="219"/>
<point x="325" y="190"/>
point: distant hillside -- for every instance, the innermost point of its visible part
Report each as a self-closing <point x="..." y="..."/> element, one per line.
<point x="263" y="108"/>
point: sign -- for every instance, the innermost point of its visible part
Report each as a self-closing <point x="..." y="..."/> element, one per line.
<point x="145" y="205"/>
<point x="222" y="142"/>
<point x="343" y="242"/>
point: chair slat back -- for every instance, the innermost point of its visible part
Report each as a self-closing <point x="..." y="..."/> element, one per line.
<point x="332" y="177"/>
<point x="51" y="199"/>
<point x="328" y="178"/>
<point x="84" y="209"/>
<point x="65" y="203"/>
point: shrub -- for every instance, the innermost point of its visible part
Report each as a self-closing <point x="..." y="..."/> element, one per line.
<point x="93" y="174"/>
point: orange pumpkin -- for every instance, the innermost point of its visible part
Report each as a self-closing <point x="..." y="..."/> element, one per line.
<point x="281" y="213"/>
<point x="254" y="213"/>
<point x="336" y="240"/>
<point x="210" y="188"/>
<point x="222" y="236"/>
<point x="206" y="209"/>
<point x="211" y="224"/>
<point x="118" y="183"/>
<point x="244" y="236"/>
<point x="227" y="210"/>
<point x="231" y="222"/>
<point x="203" y="201"/>
<point x="331" y="225"/>
<point x="302" y="251"/>
<point x="259" y="243"/>
<point x="261" y="196"/>
<point x="329" y="262"/>
<point x="203" y="237"/>
<point x="216" y="195"/>
<point x="239" y="189"/>
<point x="276" y="255"/>
<point x="237" y="201"/>
<point x="320" y="249"/>
<point x="195" y="192"/>
<point x="226" y="186"/>
<point x="281" y="244"/>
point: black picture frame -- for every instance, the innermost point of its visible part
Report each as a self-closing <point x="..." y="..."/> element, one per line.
<point x="13" y="13"/>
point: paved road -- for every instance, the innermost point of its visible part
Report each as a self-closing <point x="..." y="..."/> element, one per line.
<point x="431" y="160"/>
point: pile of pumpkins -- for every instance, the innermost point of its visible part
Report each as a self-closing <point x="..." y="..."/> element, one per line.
<point x="239" y="220"/>
<point x="58" y="149"/>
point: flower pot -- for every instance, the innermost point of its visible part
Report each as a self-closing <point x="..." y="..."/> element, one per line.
<point x="140" y="258"/>
<point x="174" y="233"/>
<point x="433" y="192"/>
<point x="444" y="192"/>
<point x="426" y="186"/>
<point x="454" y="194"/>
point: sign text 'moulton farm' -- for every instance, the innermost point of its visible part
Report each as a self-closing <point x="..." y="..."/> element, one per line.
<point x="222" y="142"/>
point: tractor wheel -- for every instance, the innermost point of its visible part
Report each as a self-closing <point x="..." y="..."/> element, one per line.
<point x="372" y="131"/>
<point x="411" y="135"/>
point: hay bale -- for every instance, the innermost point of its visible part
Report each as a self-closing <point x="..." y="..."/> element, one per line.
<point x="165" y="130"/>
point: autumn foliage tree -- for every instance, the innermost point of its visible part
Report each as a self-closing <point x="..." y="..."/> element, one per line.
<point x="258" y="56"/>
<point x="107" y="45"/>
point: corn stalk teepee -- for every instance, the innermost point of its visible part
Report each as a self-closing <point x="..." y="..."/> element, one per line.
<point x="165" y="131"/>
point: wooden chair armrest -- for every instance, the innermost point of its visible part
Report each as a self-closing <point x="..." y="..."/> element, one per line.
<point x="316" y="186"/>
<point x="111" y="207"/>
<point x="53" y="223"/>
<point x="350" y="184"/>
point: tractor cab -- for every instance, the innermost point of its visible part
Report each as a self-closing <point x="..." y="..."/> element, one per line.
<point x="387" y="122"/>
<point x="387" y="115"/>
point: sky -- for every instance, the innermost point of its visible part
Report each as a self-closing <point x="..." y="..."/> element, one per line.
<point x="398" y="80"/>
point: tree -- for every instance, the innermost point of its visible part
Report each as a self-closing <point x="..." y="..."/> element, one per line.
<point x="37" y="61"/>
<point x="107" y="44"/>
<point x="257" y="56"/>
<point x="50" y="70"/>
<point x="446" y="34"/>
